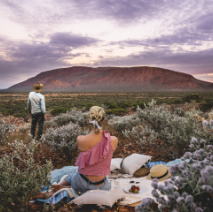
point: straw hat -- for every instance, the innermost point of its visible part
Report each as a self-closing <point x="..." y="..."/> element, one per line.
<point x="160" y="172"/>
<point x="38" y="87"/>
<point x="142" y="172"/>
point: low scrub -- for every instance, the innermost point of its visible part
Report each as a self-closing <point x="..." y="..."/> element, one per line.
<point x="192" y="97"/>
<point x="207" y="105"/>
<point x="122" y="123"/>
<point x="117" y="111"/>
<point x="24" y="128"/>
<point x="64" y="137"/>
<point x="5" y="130"/>
<point x="164" y="127"/>
<point x="57" y="111"/>
<point x="73" y="115"/>
<point x="21" y="178"/>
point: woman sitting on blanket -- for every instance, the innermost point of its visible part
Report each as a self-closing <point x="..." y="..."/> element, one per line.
<point x="96" y="150"/>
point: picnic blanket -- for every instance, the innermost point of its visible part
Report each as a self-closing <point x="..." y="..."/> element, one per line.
<point x="117" y="185"/>
<point x="176" y="161"/>
<point x="67" y="193"/>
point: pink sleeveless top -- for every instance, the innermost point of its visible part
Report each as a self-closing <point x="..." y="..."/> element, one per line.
<point x="96" y="161"/>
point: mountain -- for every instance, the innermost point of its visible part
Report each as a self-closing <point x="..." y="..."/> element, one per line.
<point x="210" y="86"/>
<point x="120" y="79"/>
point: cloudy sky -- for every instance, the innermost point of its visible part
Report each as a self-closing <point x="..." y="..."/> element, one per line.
<point x="41" y="35"/>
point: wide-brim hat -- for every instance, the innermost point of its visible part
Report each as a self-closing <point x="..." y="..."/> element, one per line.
<point x="38" y="87"/>
<point x="160" y="171"/>
<point x="142" y="172"/>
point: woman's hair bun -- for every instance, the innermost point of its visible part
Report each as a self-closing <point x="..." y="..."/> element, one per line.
<point x="96" y="113"/>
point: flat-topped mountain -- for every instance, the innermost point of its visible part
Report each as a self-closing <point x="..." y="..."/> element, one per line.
<point x="120" y="79"/>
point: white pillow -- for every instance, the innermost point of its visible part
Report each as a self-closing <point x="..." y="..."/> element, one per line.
<point x="96" y="199"/>
<point x="134" y="162"/>
<point x="115" y="164"/>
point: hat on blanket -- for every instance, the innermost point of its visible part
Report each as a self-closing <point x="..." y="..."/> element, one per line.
<point x="160" y="172"/>
<point x="142" y="172"/>
<point x="38" y="87"/>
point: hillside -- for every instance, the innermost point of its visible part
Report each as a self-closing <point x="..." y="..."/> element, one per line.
<point x="122" y="79"/>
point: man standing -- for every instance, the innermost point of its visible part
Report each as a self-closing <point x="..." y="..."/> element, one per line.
<point x="36" y="107"/>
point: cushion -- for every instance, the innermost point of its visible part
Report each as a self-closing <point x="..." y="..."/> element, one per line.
<point x="134" y="162"/>
<point x="115" y="164"/>
<point x="96" y="199"/>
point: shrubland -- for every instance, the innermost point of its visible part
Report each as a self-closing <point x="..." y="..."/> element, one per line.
<point x="20" y="177"/>
<point x="15" y="104"/>
<point x="155" y="124"/>
<point x="73" y="115"/>
<point x="162" y="126"/>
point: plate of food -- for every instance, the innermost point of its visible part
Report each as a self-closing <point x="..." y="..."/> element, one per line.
<point x="134" y="189"/>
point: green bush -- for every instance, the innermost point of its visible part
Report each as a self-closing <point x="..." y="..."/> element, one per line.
<point x="19" y="184"/>
<point x="111" y="105"/>
<point x="178" y="101"/>
<point x="8" y="112"/>
<point x="58" y="111"/>
<point x="117" y="111"/>
<point x="89" y="105"/>
<point x="124" y="104"/>
<point x="208" y="105"/>
<point x="139" y="104"/>
<point x="191" y="97"/>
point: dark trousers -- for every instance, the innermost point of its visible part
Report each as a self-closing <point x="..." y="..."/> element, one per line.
<point x="37" y="118"/>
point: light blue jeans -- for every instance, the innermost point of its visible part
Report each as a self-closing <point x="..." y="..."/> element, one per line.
<point x="80" y="185"/>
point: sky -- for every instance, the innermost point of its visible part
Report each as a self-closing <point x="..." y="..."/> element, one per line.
<point x="42" y="35"/>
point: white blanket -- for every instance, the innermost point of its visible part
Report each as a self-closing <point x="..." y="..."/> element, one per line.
<point x="145" y="185"/>
<point x="117" y="185"/>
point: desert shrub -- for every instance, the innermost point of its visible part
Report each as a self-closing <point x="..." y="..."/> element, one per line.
<point x="5" y="130"/>
<point x="125" y="122"/>
<point x="24" y="128"/>
<point x="50" y="124"/>
<point x="170" y="129"/>
<point x="111" y="105"/>
<point x="191" y="184"/>
<point x="89" y="105"/>
<point x="19" y="184"/>
<point x="8" y="112"/>
<point x="64" y="137"/>
<point x="139" y="104"/>
<point x="117" y="111"/>
<point x="124" y="103"/>
<point x="207" y="131"/>
<point x="177" y="101"/>
<point x="207" y="105"/>
<point x="179" y="111"/>
<point x="189" y="98"/>
<point x="73" y="115"/>
<point x="206" y="116"/>
<point x="57" y="111"/>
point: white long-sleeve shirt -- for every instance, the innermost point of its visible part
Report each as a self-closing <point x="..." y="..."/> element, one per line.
<point x="36" y="103"/>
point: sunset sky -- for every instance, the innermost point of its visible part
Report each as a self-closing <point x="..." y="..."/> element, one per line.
<point x="41" y="35"/>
